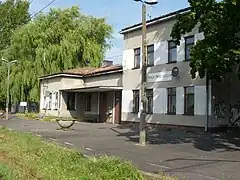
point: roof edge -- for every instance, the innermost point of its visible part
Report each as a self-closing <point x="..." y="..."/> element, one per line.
<point x="155" y="20"/>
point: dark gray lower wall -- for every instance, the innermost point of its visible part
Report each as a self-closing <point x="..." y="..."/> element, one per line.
<point x="196" y="121"/>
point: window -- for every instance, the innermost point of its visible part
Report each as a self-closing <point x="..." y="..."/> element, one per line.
<point x="88" y="102"/>
<point x="149" y="94"/>
<point x="171" y="100"/>
<point x="189" y="101"/>
<point x="172" y="52"/>
<point x="189" y="43"/>
<point x="150" y="55"/>
<point x="137" y="57"/>
<point x="71" y="101"/>
<point x="50" y="101"/>
<point x="55" y="100"/>
<point x="135" y="101"/>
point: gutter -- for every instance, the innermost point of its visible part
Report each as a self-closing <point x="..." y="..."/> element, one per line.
<point x="207" y="103"/>
<point x="155" y="20"/>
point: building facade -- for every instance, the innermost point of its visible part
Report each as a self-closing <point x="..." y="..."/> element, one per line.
<point x="172" y="100"/>
<point x="92" y="94"/>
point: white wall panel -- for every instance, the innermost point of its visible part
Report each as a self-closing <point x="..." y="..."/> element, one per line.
<point x="160" y="100"/>
<point x="128" y="59"/>
<point x="180" y="100"/>
<point x="161" y="52"/>
<point x="127" y="100"/>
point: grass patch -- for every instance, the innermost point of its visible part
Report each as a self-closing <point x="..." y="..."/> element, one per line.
<point x="26" y="157"/>
<point x="36" y="116"/>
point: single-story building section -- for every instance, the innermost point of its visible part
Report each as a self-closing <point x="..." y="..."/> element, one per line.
<point x="90" y="93"/>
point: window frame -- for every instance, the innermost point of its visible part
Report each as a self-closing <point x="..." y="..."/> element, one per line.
<point x="88" y="102"/>
<point x="149" y="94"/>
<point x="136" y="94"/>
<point x="188" y="44"/>
<point x="138" y="54"/>
<point x="170" y="48"/>
<point x="170" y="94"/>
<point x="186" y="112"/>
<point x="148" y="52"/>
<point x="73" y="106"/>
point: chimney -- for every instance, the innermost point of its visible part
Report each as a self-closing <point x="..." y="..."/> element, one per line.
<point x="107" y="63"/>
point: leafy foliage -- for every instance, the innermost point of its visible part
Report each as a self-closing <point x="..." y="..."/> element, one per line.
<point x="14" y="14"/>
<point x="68" y="39"/>
<point x="219" y="52"/>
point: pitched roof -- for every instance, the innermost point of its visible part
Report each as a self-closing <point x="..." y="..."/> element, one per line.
<point x="155" y="20"/>
<point x="86" y="71"/>
<point x="91" y="71"/>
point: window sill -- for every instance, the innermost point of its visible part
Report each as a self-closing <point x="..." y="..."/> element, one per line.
<point x="150" y="65"/>
<point x="185" y="114"/>
<point x="136" y="68"/>
<point x="171" y="62"/>
<point x="169" y="113"/>
<point x="134" y="112"/>
<point x="71" y="109"/>
<point x="149" y="113"/>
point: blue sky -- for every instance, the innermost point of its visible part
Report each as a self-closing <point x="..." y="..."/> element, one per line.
<point x="119" y="14"/>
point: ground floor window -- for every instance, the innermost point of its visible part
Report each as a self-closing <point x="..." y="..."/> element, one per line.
<point x="88" y="102"/>
<point x="189" y="100"/>
<point x="149" y="94"/>
<point x="171" y="108"/>
<point x="71" y="101"/>
<point x="135" y="101"/>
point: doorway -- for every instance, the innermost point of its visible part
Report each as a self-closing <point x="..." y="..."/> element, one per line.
<point x="118" y="105"/>
<point x="102" y="106"/>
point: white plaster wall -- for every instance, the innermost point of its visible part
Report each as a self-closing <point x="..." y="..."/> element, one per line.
<point x="128" y="59"/>
<point x="181" y="50"/>
<point x="180" y="100"/>
<point x="127" y="101"/>
<point x="160" y="100"/>
<point x="161" y="52"/>
<point x="200" y="100"/>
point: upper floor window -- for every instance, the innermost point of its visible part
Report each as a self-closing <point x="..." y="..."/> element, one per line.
<point x="172" y="51"/>
<point x="135" y="101"/>
<point x="137" y="57"/>
<point x="189" y="100"/>
<point x="171" y="100"/>
<point x="149" y="94"/>
<point x="189" y="43"/>
<point x="150" y="55"/>
<point x="71" y="101"/>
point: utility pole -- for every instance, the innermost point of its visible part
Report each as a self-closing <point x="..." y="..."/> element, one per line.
<point x="8" y="80"/>
<point x="142" y="137"/>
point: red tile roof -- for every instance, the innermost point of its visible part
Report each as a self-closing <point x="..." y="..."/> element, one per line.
<point x="91" y="71"/>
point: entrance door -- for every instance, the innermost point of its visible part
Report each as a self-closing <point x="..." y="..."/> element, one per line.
<point x="118" y="105"/>
<point x="103" y="106"/>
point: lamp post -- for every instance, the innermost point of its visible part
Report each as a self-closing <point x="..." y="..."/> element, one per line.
<point x="142" y="136"/>
<point x="8" y="79"/>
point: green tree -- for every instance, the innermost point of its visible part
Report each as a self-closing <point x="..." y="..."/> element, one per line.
<point x="219" y="52"/>
<point x="14" y="14"/>
<point x="68" y="39"/>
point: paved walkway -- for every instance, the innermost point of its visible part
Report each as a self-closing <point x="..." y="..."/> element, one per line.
<point x="188" y="155"/>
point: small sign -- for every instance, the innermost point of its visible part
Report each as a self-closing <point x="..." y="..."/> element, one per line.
<point x="23" y="104"/>
<point x="159" y="76"/>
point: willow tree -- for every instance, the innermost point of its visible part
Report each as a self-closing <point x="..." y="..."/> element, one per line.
<point x="66" y="38"/>
<point x="13" y="15"/>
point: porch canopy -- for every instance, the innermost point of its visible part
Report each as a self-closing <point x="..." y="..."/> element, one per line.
<point x="92" y="89"/>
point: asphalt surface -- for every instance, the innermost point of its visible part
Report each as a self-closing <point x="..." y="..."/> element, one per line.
<point x="188" y="155"/>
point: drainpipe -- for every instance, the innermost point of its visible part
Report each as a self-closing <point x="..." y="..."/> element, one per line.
<point x="207" y="103"/>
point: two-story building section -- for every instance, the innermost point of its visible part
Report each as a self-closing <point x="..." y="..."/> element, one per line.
<point x="172" y="100"/>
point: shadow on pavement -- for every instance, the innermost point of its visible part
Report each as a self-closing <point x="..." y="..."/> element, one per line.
<point x="204" y="141"/>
